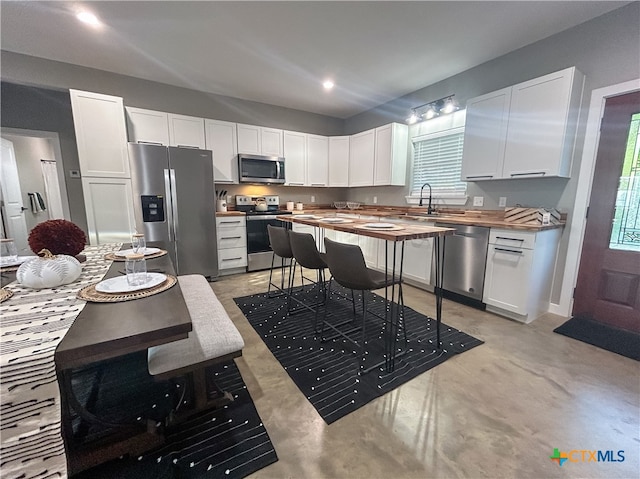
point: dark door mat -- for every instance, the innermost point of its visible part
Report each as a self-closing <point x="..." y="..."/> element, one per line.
<point x="229" y="442"/>
<point x="619" y="341"/>
<point x="327" y="373"/>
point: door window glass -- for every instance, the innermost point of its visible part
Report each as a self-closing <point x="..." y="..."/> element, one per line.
<point x="625" y="232"/>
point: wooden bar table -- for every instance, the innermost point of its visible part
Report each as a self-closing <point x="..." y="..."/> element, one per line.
<point x="397" y="236"/>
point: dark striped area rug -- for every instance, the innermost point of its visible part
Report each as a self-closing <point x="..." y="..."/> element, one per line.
<point x="328" y="372"/>
<point x="228" y="442"/>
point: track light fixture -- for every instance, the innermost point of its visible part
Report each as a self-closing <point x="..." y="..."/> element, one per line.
<point x="443" y="106"/>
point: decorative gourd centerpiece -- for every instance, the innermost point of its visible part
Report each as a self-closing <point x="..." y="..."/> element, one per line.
<point x="58" y="243"/>
<point x="48" y="271"/>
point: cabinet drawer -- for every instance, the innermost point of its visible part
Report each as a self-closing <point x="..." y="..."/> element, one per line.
<point x="232" y="238"/>
<point x="512" y="238"/>
<point x="231" y="222"/>
<point x="232" y="258"/>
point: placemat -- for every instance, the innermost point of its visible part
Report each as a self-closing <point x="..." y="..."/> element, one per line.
<point x="5" y="294"/>
<point x="9" y="269"/>
<point x="113" y="257"/>
<point x="89" y="293"/>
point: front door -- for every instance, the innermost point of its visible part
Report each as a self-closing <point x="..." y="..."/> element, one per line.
<point x="608" y="286"/>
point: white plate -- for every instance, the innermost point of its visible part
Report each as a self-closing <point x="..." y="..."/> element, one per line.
<point x="119" y="284"/>
<point x="307" y="217"/>
<point x="336" y="220"/>
<point x="147" y="252"/>
<point x="17" y="262"/>
<point x="382" y="226"/>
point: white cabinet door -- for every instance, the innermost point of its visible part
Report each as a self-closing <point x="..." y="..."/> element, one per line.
<point x="485" y="136"/>
<point x="186" y="131"/>
<point x="506" y="283"/>
<point x="362" y="158"/>
<point x="101" y="134"/>
<point x="295" y="158"/>
<point x="542" y="120"/>
<point x="259" y="140"/>
<point x="339" y="161"/>
<point x="232" y="242"/>
<point x="317" y="160"/>
<point x="109" y="205"/>
<point x="147" y="126"/>
<point x="271" y="141"/>
<point x="391" y="155"/>
<point x="220" y="138"/>
<point x="249" y="139"/>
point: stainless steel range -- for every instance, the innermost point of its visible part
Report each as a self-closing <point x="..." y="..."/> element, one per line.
<point x="261" y="211"/>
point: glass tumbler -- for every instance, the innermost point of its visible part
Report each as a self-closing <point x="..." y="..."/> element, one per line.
<point x="8" y="251"/>
<point x="138" y="243"/>
<point x="136" y="269"/>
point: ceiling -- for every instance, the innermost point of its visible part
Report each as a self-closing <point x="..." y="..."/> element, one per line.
<point x="280" y="52"/>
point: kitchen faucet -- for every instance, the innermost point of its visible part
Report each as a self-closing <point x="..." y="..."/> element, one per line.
<point x="430" y="209"/>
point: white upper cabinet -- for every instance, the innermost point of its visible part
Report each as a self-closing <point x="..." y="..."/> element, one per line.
<point x="220" y="138"/>
<point x="339" y="161"/>
<point x="391" y="154"/>
<point x="101" y="134"/>
<point x="542" y="125"/>
<point x="485" y="135"/>
<point x="260" y="140"/>
<point x="295" y="158"/>
<point x="524" y="131"/>
<point x="186" y="131"/>
<point x="362" y="158"/>
<point x="317" y="160"/>
<point x="147" y="126"/>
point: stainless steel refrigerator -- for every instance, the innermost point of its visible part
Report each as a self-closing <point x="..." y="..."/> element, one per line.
<point x="174" y="199"/>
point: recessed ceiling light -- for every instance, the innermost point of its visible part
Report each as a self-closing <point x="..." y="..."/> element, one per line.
<point x="328" y="84"/>
<point x="89" y="18"/>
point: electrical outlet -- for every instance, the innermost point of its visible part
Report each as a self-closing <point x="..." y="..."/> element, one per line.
<point x="478" y="200"/>
<point x="229" y="198"/>
<point x="503" y="202"/>
<point x="375" y="200"/>
<point x="313" y="199"/>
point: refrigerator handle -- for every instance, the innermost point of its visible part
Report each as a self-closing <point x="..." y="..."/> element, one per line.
<point x="168" y="206"/>
<point x="174" y="202"/>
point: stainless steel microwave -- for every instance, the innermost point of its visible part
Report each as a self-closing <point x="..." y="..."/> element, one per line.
<point x="260" y="169"/>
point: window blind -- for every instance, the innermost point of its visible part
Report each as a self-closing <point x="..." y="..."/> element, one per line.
<point x="437" y="160"/>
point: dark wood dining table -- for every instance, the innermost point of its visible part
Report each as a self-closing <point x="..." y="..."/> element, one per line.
<point x="104" y="331"/>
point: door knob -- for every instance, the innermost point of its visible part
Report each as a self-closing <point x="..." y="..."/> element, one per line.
<point x="22" y="208"/>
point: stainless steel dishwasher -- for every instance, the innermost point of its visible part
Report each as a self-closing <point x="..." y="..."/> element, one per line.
<point x="465" y="259"/>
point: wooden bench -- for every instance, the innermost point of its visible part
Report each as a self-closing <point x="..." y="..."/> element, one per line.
<point x="214" y="339"/>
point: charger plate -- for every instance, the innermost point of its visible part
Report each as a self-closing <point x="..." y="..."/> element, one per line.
<point x="89" y="293"/>
<point x="5" y="294"/>
<point x="380" y="227"/>
<point x="114" y="257"/>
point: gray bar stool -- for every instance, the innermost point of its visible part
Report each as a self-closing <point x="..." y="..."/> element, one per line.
<point x="349" y="269"/>
<point x="279" y="241"/>
<point x="303" y="246"/>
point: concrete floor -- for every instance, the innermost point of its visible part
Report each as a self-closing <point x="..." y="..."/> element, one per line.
<point x="498" y="410"/>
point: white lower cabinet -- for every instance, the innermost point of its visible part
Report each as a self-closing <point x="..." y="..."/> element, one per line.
<point x="109" y="205"/>
<point x="519" y="273"/>
<point x="231" y="234"/>
<point x="418" y="255"/>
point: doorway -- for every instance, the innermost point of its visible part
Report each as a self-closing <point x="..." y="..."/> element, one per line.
<point x="34" y="182"/>
<point x="608" y="283"/>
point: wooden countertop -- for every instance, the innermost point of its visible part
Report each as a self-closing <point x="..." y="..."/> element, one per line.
<point x="473" y="218"/>
<point x="229" y="213"/>
<point x="403" y="232"/>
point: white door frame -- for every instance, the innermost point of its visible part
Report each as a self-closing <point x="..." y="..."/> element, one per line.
<point x="583" y="193"/>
